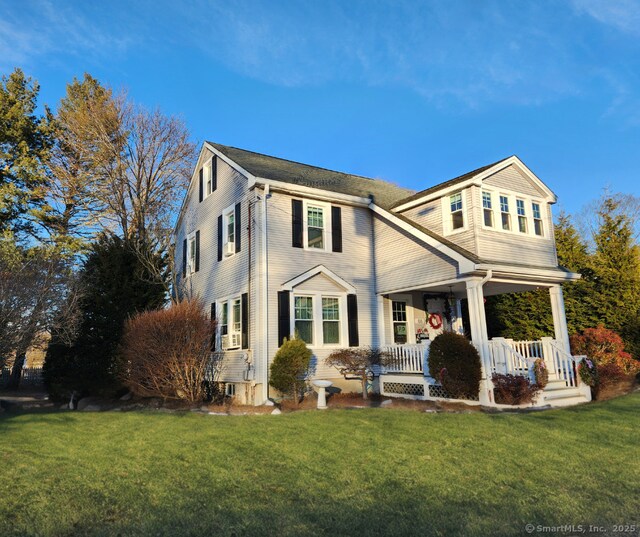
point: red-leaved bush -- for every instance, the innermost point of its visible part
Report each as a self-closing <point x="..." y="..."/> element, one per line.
<point x="605" y="348"/>
<point x="167" y="353"/>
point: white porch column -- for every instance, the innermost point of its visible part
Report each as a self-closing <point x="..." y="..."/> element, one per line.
<point x="479" y="335"/>
<point x="559" y="318"/>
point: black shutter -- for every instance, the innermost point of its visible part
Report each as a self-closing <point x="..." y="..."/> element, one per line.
<point x="214" y="323"/>
<point x="214" y="173"/>
<point x="201" y="184"/>
<point x="244" y="311"/>
<point x="296" y="223"/>
<point x="184" y="258"/>
<point x="352" y="320"/>
<point x="336" y="229"/>
<point x="284" y="324"/>
<point x="238" y="227"/>
<point x="220" y="238"/>
<point x="197" y="268"/>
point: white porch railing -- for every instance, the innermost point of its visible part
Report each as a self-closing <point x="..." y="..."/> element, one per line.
<point x="561" y="365"/>
<point x="506" y="358"/>
<point x="407" y="358"/>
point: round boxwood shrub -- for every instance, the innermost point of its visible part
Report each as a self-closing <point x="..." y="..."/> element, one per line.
<point x="290" y="367"/>
<point x="455" y="362"/>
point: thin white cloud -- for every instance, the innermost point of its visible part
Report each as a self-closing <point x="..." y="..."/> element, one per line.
<point x="621" y="14"/>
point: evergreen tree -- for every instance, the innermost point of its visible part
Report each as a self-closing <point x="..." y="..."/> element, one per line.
<point x="115" y="286"/>
<point x="24" y="143"/>
<point x="615" y="264"/>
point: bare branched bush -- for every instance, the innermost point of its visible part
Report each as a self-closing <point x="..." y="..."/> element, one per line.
<point x="167" y="353"/>
<point x="359" y="363"/>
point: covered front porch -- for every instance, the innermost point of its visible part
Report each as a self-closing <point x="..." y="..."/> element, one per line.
<point x="411" y="319"/>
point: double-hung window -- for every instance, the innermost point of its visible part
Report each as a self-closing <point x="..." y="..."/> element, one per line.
<point x="399" y="314"/>
<point x="487" y="209"/>
<point x="303" y="318"/>
<point x="330" y="320"/>
<point x="504" y="213"/>
<point x="537" y="219"/>
<point x="191" y="252"/>
<point x="315" y="227"/>
<point x="231" y="323"/>
<point x="457" y="218"/>
<point x="229" y="223"/>
<point x="522" y="216"/>
<point x="208" y="178"/>
<point x="318" y="319"/>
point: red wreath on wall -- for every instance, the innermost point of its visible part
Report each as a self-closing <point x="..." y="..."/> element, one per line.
<point x="435" y="321"/>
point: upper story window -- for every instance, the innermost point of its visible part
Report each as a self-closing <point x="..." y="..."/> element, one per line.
<point x="487" y="209"/>
<point x="457" y="218"/>
<point x="208" y="179"/>
<point x="229" y="225"/>
<point x="191" y="252"/>
<point x="315" y="227"/>
<point x="537" y="219"/>
<point x="522" y="216"/>
<point x="504" y="213"/>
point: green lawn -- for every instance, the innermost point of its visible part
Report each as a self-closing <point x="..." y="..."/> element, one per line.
<point x="342" y="472"/>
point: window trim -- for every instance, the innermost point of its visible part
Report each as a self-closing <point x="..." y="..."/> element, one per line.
<point x="228" y="304"/>
<point x="447" y="214"/>
<point x="317" y="320"/>
<point x="327" y="223"/>
<point x="411" y="333"/>
<point x="191" y="253"/>
<point x="226" y="214"/>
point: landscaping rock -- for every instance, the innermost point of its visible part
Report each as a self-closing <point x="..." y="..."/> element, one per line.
<point x="387" y="402"/>
<point x="91" y="408"/>
<point x="93" y="402"/>
<point x="276" y="411"/>
<point x="126" y="397"/>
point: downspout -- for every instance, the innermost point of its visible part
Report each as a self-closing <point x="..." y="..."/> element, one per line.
<point x="487" y="277"/>
<point x="265" y="295"/>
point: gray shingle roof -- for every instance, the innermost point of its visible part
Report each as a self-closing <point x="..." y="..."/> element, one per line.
<point x="385" y="194"/>
<point x="446" y="184"/>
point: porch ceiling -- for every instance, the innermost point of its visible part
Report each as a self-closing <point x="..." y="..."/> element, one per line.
<point x="459" y="288"/>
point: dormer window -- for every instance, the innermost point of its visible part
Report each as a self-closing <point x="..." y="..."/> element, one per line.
<point x="457" y="218"/>
<point x="522" y="216"/>
<point x="487" y="209"/>
<point x="537" y="219"/>
<point x="504" y="213"/>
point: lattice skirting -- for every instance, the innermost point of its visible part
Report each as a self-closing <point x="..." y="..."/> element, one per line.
<point x="402" y="388"/>
<point x="435" y="390"/>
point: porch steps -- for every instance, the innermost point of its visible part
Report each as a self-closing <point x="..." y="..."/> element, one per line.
<point x="557" y="393"/>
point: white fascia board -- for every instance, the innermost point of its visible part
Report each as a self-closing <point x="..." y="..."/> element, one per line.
<point x="425" y="286"/>
<point x="549" y="275"/>
<point x="465" y="265"/>
<point x="231" y="163"/>
<point x="477" y="181"/>
<point x="320" y="269"/>
<point x="305" y="191"/>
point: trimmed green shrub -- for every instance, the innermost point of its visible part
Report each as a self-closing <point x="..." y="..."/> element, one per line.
<point x="290" y="367"/>
<point x="455" y="362"/>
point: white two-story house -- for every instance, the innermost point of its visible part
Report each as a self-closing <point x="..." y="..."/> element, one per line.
<point x="276" y="248"/>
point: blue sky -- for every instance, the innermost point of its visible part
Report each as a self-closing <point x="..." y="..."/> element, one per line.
<point x="411" y="92"/>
